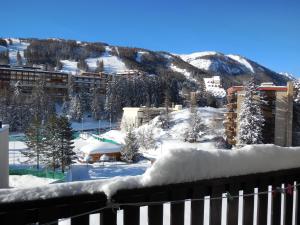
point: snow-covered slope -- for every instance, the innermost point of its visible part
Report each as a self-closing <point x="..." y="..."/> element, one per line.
<point x="111" y="63"/>
<point x="217" y="62"/>
<point x="15" y="45"/>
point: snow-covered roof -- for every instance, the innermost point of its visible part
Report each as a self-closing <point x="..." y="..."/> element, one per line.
<point x="101" y="147"/>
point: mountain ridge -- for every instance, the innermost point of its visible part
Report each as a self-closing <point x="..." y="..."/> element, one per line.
<point x="65" y="55"/>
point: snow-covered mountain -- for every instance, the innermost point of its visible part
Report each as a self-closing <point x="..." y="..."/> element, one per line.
<point x="234" y="67"/>
<point x="64" y="55"/>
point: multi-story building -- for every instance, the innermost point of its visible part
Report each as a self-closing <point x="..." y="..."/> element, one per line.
<point x="4" y="181"/>
<point x="277" y="110"/>
<point x="57" y="83"/>
<point x="27" y="77"/>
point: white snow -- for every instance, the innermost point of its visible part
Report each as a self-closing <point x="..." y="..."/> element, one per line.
<point x="115" y="135"/>
<point x="192" y="56"/>
<point x="139" y="56"/>
<point x="185" y="165"/>
<point x="100" y="147"/>
<point x="200" y="60"/>
<point x="17" y="45"/>
<point x="112" y="64"/>
<point x="69" y="66"/>
<point x="176" y="166"/>
<point x="185" y="72"/>
<point x="288" y="75"/>
<point x="242" y="61"/>
<point x="28" y="181"/>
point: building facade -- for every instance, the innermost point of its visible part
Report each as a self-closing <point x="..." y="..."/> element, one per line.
<point x="4" y="169"/>
<point x="137" y="116"/>
<point x="277" y="110"/>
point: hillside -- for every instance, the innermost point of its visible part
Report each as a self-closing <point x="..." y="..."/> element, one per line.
<point x="75" y="56"/>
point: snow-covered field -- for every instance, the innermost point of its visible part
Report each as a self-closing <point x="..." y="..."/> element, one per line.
<point x="166" y="140"/>
<point x="111" y="63"/>
<point x="27" y="181"/>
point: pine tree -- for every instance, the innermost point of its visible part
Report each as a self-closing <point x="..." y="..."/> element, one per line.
<point x="100" y="66"/>
<point x="96" y="106"/>
<point x="296" y="85"/>
<point x="51" y="153"/>
<point x="19" y="59"/>
<point x="250" y="120"/>
<point x="82" y="65"/>
<point x="34" y="135"/>
<point x="129" y="152"/>
<point x="75" y="111"/>
<point x="197" y="127"/>
<point x="65" y="143"/>
<point x="4" y="57"/>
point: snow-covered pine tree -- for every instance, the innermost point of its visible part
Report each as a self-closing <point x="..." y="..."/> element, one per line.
<point x="129" y="152"/>
<point x="75" y="110"/>
<point x="296" y="85"/>
<point x="96" y="105"/>
<point x="65" y="143"/>
<point x="19" y="59"/>
<point x="296" y="113"/>
<point x="82" y="65"/>
<point x="65" y="107"/>
<point x="34" y="135"/>
<point x="196" y="128"/>
<point x="100" y="66"/>
<point x="251" y="119"/>
<point x="51" y="152"/>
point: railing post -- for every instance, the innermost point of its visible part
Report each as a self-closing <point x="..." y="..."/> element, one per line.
<point x="197" y="207"/>
<point x="108" y="217"/>
<point x="155" y="212"/>
<point x="216" y="204"/>
<point x="177" y="208"/>
<point x="262" y="204"/>
<point x="248" y="203"/>
<point x="131" y="215"/>
<point x="233" y="204"/>
<point x="276" y="207"/>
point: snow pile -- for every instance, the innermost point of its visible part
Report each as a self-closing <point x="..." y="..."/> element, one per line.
<point x="100" y="147"/>
<point x="177" y="166"/>
<point x="26" y="181"/>
<point x="184" y="165"/>
<point x="114" y="135"/>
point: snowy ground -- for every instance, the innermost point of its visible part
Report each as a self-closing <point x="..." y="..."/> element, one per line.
<point x="111" y="63"/>
<point x="26" y="181"/>
<point x="166" y="140"/>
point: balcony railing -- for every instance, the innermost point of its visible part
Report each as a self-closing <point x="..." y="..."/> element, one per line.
<point x="266" y="197"/>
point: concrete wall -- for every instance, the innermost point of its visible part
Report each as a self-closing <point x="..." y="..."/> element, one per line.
<point x="130" y="117"/>
<point x="283" y="119"/>
<point x="4" y="182"/>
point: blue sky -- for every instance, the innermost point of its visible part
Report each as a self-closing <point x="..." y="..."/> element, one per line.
<point x="266" y="31"/>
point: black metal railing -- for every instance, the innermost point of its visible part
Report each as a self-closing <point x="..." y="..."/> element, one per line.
<point x="282" y="207"/>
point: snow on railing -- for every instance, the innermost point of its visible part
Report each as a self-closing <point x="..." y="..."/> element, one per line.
<point x="267" y="174"/>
